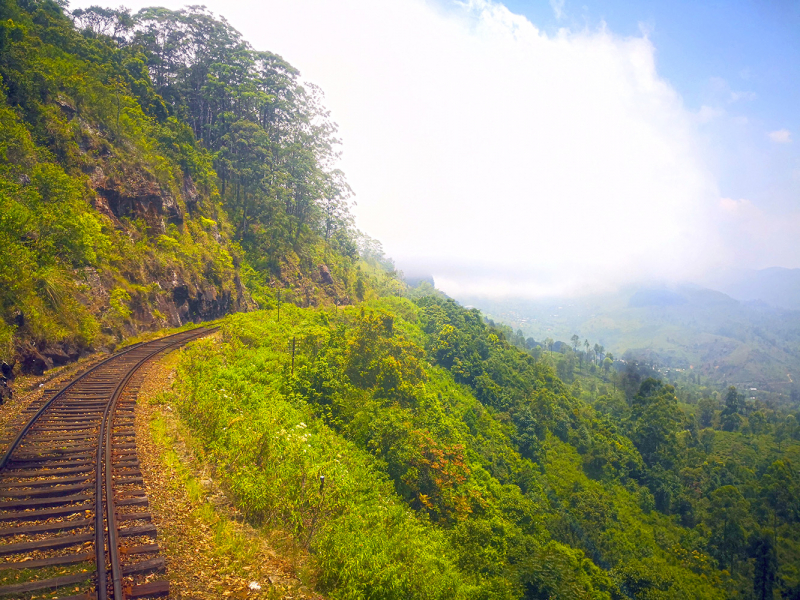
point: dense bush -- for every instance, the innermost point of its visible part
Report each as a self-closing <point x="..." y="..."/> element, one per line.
<point x="531" y="494"/>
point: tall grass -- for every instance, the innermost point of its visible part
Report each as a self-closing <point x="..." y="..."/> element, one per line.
<point x="285" y="467"/>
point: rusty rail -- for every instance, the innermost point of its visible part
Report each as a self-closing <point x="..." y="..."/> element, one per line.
<point x="48" y="469"/>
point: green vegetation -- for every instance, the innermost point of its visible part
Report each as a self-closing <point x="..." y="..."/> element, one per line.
<point x="74" y="137"/>
<point x="457" y="465"/>
<point x="154" y="169"/>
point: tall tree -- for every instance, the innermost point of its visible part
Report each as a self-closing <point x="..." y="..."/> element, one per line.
<point x="727" y="515"/>
<point x="598" y="350"/>
<point x="575" y="341"/>
<point x="272" y="140"/>
<point x="765" y="565"/>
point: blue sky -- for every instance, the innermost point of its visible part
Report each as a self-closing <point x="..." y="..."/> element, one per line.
<point x="753" y="45"/>
<point x="739" y="56"/>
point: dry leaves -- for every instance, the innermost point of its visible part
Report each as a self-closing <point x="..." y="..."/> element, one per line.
<point x="196" y="566"/>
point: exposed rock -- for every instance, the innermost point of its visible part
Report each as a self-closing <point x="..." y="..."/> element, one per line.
<point x="164" y="295"/>
<point x="6" y="393"/>
<point x="135" y="195"/>
<point x="7" y="371"/>
<point x="61" y="354"/>
<point x="24" y="180"/>
<point x="94" y="294"/>
<point x="32" y="361"/>
<point x="180" y="294"/>
<point x="36" y="360"/>
<point x="325" y="274"/>
<point x="101" y="206"/>
<point x="66" y="106"/>
<point x="55" y="355"/>
<point x="190" y="195"/>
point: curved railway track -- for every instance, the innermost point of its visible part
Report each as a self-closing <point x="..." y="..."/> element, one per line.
<point x="73" y="512"/>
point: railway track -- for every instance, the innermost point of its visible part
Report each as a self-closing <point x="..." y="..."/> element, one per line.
<point x="74" y="520"/>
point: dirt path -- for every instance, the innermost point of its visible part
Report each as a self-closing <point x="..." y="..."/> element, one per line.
<point x="211" y="554"/>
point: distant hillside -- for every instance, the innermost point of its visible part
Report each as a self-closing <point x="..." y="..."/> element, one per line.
<point x="708" y="332"/>
<point x="776" y="286"/>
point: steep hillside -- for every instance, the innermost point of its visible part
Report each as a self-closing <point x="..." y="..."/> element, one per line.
<point x="417" y="454"/>
<point x="140" y="189"/>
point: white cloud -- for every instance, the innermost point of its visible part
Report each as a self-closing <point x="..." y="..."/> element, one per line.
<point x="721" y="90"/>
<point x="781" y="136"/>
<point x="738" y="208"/>
<point x="718" y="85"/>
<point x="493" y="155"/>
<point x="747" y="96"/>
<point x="472" y="137"/>
<point x="558" y="8"/>
<point x="752" y="228"/>
<point x="707" y="114"/>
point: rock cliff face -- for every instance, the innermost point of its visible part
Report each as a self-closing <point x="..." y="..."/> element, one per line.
<point x="133" y="195"/>
<point x="162" y="293"/>
<point x="174" y="301"/>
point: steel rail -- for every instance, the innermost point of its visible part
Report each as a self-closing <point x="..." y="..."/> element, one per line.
<point x="107" y="435"/>
<point x="127" y="367"/>
<point x="17" y="440"/>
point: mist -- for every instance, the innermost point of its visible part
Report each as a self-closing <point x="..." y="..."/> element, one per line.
<point x="506" y="161"/>
<point x="511" y="162"/>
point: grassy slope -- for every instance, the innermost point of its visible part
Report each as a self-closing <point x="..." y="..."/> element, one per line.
<point x="426" y="494"/>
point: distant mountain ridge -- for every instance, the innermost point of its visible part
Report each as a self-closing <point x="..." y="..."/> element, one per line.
<point x="776" y="286"/>
<point x="730" y="341"/>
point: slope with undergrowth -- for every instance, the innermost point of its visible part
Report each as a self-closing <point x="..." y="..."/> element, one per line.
<point x="418" y="455"/>
<point x="121" y="209"/>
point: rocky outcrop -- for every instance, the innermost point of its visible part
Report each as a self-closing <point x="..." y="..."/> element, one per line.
<point x="37" y="358"/>
<point x="134" y="194"/>
<point x="164" y="289"/>
<point x="6" y="377"/>
<point x="182" y="294"/>
<point x="6" y="392"/>
<point x="325" y="275"/>
<point x="191" y="197"/>
<point x="201" y="301"/>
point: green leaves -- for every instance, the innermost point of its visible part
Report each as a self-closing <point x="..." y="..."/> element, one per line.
<point x="272" y="141"/>
<point x="243" y="403"/>
<point x="727" y="518"/>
